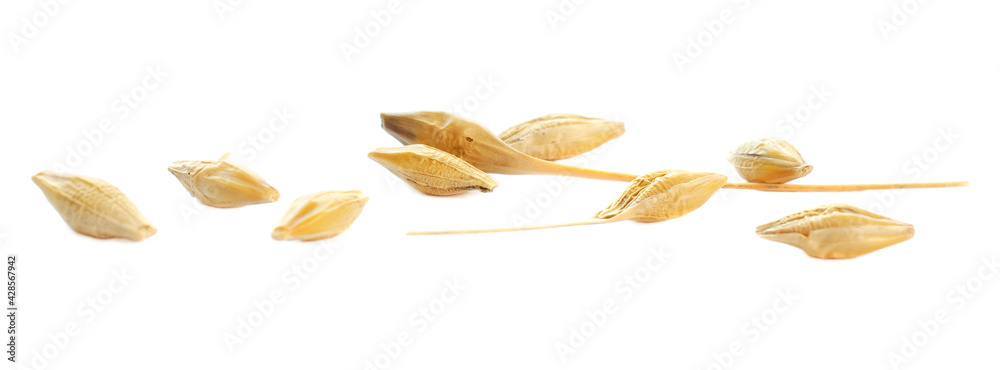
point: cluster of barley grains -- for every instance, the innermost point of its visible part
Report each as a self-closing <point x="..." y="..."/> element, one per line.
<point x="444" y="154"/>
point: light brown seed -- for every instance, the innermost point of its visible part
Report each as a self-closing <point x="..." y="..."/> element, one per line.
<point x="769" y="161"/>
<point x="663" y="195"/>
<point x="93" y="207"/>
<point x="432" y="171"/>
<point x="320" y="215"/>
<point x="836" y="231"/>
<point x="560" y="136"/>
<point x="222" y="183"/>
<point x="653" y="197"/>
<point x="475" y="144"/>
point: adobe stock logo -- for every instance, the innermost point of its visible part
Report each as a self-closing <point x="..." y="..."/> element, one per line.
<point x="32" y="24"/>
<point x="753" y="329"/>
<point x="793" y="120"/>
<point x="265" y="309"/>
<point x="957" y="299"/>
<point x="279" y="120"/>
<point x="367" y="32"/>
<point x="563" y="10"/>
<point x="122" y="106"/>
<point x="474" y="100"/>
<point x="916" y="166"/>
<point x="625" y="288"/>
<point x="701" y="41"/>
<point x="86" y="312"/>
<point x="898" y="17"/>
<point x="419" y="321"/>
<point x="224" y="7"/>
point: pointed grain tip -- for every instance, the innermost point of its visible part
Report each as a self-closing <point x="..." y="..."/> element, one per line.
<point x="279" y="233"/>
<point x="376" y="155"/>
<point x="176" y="168"/>
<point x="395" y="126"/>
<point x="144" y="232"/>
<point x="389" y="119"/>
<point x="37" y="178"/>
<point x="47" y="180"/>
<point x="42" y="176"/>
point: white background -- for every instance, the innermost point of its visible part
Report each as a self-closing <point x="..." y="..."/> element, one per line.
<point x="895" y="96"/>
